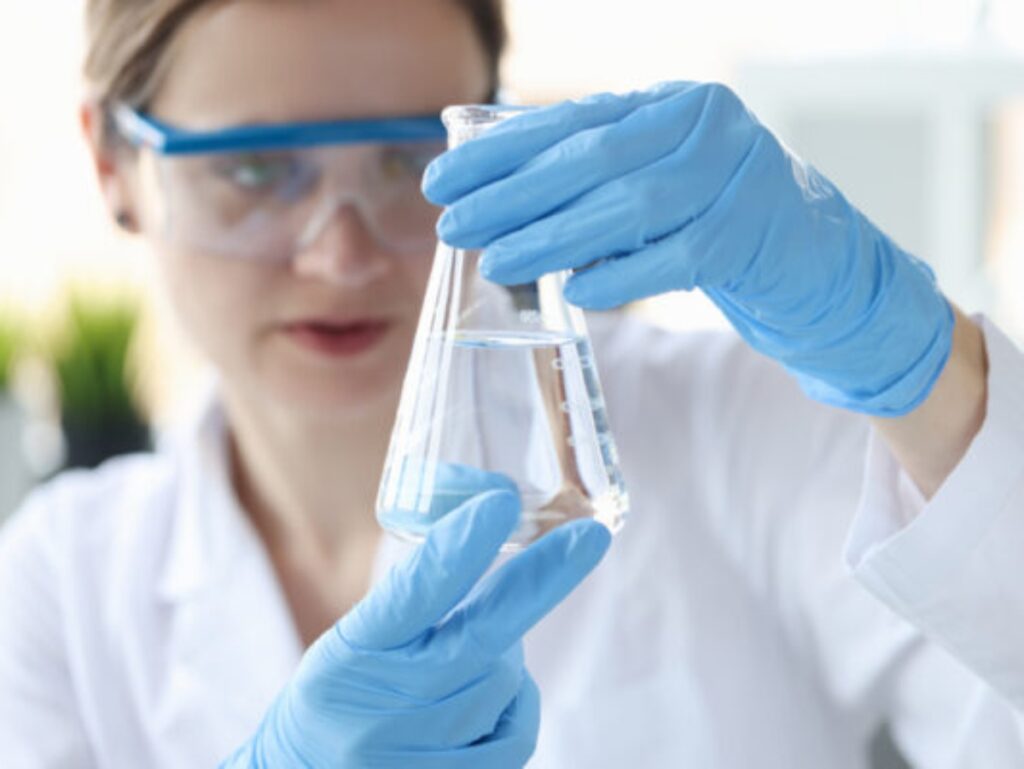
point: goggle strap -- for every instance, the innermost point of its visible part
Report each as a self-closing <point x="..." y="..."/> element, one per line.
<point x="142" y="129"/>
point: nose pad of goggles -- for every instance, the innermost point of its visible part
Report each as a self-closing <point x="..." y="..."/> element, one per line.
<point x="324" y="214"/>
<point x="365" y="267"/>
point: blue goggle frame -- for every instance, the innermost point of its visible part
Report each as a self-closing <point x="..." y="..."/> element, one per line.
<point x="144" y="130"/>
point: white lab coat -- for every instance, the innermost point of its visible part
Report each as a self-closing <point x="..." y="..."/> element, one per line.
<point x="141" y="624"/>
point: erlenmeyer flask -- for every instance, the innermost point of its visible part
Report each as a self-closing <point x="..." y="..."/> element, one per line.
<point x="501" y="391"/>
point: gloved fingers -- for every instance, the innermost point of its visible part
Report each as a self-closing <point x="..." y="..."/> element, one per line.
<point x="515" y="736"/>
<point x="509" y="746"/>
<point x="464" y="715"/>
<point x="447" y="485"/>
<point x="630" y="212"/>
<point x="511" y="600"/>
<point x="418" y="593"/>
<point x="579" y="163"/>
<point x="506" y="146"/>
<point x="420" y="710"/>
<point x="611" y="220"/>
<point x="715" y="248"/>
<point x="653" y="270"/>
<point x="522" y="716"/>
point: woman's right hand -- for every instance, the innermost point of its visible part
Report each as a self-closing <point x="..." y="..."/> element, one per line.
<point x="427" y="670"/>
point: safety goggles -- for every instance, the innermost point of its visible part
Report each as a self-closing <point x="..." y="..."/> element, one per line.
<point x="267" y="192"/>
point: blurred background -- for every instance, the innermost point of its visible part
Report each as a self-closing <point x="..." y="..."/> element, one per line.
<point x="914" y="107"/>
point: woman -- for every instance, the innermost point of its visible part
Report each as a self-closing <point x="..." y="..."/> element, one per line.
<point x="181" y="609"/>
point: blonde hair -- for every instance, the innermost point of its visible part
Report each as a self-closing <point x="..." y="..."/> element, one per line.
<point x="128" y="43"/>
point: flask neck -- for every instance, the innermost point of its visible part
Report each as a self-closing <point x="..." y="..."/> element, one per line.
<point x="468" y="121"/>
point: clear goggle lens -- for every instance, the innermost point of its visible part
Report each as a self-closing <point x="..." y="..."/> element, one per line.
<point x="272" y="204"/>
<point x="268" y="192"/>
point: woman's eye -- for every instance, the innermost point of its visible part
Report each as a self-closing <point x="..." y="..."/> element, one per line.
<point x="257" y="174"/>
<point x="407" y="162"/>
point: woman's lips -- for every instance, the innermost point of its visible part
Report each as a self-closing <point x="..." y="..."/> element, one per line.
<point x="336" y="339"/>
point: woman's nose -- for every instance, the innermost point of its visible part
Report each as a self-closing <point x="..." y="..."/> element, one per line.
<point x="341" y="249"/>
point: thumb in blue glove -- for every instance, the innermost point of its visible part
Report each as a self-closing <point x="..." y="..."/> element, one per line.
<point x="681" y="187"/>
<point x="427" y="672"/>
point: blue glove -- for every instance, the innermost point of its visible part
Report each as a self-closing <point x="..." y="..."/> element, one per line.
<point x="680" y="187"/>
<point x="416" y="493"/>
<point x="413" y="679"/>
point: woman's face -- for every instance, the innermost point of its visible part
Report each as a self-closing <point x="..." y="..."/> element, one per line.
<point x="328" y="332"/>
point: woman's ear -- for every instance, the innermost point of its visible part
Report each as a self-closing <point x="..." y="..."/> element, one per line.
<point x="113" y="166"/>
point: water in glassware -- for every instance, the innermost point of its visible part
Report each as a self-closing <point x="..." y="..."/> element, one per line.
<point x="526" y="406"/>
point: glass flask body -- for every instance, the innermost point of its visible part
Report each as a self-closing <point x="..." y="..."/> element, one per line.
<point x="501" y="392"/>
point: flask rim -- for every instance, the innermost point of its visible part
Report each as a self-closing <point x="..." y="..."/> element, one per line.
<point x="470" y="115"/>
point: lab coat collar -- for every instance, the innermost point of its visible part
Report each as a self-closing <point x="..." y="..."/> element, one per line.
<point x="209" y="525"/>
<point x="210" y="528"/>
<point x="231" y="641"/>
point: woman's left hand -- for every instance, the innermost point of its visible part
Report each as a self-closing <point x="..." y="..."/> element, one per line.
<point x="680" y="187"/>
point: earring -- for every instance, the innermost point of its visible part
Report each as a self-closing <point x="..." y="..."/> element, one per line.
<point x="125" y="220"/>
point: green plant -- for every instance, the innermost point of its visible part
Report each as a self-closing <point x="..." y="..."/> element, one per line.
<point x="91" y="361"/>
<point x="11" y="338"/>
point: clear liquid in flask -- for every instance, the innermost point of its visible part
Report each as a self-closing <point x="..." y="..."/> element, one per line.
<point x="522" y="408"/>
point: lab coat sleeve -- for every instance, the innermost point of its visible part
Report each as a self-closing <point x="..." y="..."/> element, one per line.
<point x="954" y="567"/>
<point x="39" y="723"/>
<point x="786" y="480"/>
